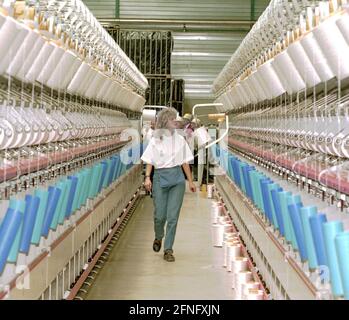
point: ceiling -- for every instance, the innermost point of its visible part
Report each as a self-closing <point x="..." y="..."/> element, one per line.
<point x="198" y="58"/>
<point x="218" y="10"/>
<point x="206" y="33"/>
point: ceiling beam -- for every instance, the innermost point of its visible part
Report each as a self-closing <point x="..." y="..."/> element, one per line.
<point x="176" y="21"/>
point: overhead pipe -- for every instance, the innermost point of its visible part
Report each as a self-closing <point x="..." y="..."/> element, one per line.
<point x="226" y="120"/>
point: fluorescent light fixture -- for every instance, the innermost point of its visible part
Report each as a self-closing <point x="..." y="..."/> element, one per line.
<point x="208" y="91"/>
<point x="188" y="54"/>
<point x="191" y="38"/>
<point x="199" y="54"/>
<point x="198" y="86"/>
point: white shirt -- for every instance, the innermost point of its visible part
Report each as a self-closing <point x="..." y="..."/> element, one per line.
<point x="168" y="152"/>
<point x="199" y="138"/>
<point x="202" y="136"/>
<point x="147" y="133"/>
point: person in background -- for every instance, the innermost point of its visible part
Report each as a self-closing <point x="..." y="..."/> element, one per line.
<point x="148" y="132"/>
<point x="202" y="138"/>
<point x="188" y="127"/>
<point x="193" y="144"/>
<point x="179" y="123"/>
<point x="168" y="153"/>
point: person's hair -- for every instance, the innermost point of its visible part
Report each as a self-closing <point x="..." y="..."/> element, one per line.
<point x="164" y="116"/>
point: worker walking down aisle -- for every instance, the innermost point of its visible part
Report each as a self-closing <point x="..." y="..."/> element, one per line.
<point x="133" y="272"/>
<point x="168" y="152"/>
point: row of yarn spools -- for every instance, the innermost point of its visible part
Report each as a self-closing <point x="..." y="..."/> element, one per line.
<point x="234" y="258"/>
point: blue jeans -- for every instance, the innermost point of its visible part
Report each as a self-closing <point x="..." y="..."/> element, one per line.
<point x="167" y="203"/>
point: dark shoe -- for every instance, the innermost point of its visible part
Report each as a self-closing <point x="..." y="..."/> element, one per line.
<point x="168" y="256"/>
<point x="157" y="245"/>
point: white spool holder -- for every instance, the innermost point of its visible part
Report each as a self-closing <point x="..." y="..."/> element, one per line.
<point x="31" y="57"/>
<point x="140" y="103"/>
<point x="86" y="81"/>
<point x="334" y="47"/>
<point x="70" y="74"/>
<point x="287" y="73"/>
<point x="117" y="92"/>
<point x="303" y="64"/>
<point x="317" y="57"/>
<point x="343" y="25"/>
<point x="271" y="79"/>
<point x="256" y="87"/>
<point x="229" y="101"/>
<point x="101" y="94"/>
<point x="20" y="32"/>
<point x="51" y="64"/>
<point x="2" y="20"/>
<point x="62" y="69"/>
<point x="236" y="97"/>
<point x="242" y="94"/>
<point x="8" y="34"/>
<point x="249" y="87"/>
<point x="39" y="62"/>
<point x="94" y="85"/>
<point x="78" y="78"/>
<point x="263" y="84"/>
<point x="22" y="53"/>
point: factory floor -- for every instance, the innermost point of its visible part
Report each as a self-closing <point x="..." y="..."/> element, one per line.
<point x="134" y="271"/>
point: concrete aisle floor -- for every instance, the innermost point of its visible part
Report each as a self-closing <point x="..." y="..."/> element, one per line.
<point x="134" y="271"/>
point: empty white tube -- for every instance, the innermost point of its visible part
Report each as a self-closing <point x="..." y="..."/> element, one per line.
<point x="247" y="286"/>
<point x="237" y="265"/>
<point x="241" y="278"/>
<point x="254" y="294"/>
<point x="217" y="235"/>
<point x="233" y="251"/>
